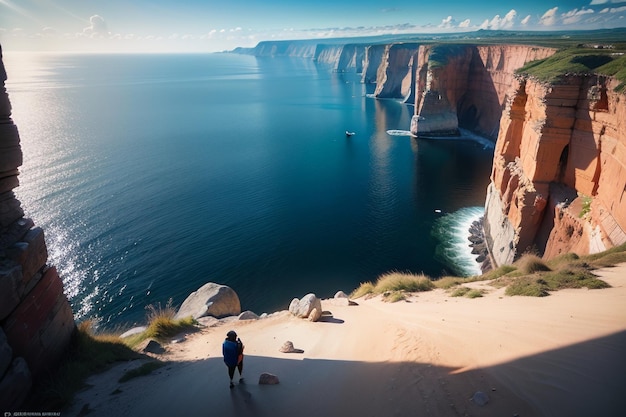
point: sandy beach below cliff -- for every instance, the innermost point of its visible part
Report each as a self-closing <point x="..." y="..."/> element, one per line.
<point x="561" y="355"/>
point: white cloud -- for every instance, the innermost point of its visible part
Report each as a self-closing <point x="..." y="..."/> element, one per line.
<point x="525" y="20"/>
<point x="575" y="15"/>
<point x="446" y="23"/>
<point x="497" y="22"/>
<point x="509" y="19"/>
<point x="549" y="17"/>
<point x="465" y="23"/>
<point x="613" y="9"/>
<point x="597" y="2"/>
<point x="96" y="25"/>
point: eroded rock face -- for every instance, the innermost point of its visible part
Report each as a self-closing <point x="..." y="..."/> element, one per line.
<point x="395" y="76"/>
<point x="558" y="179"/>
<point x="36" y="320"/>
<point x="466" y="86"/>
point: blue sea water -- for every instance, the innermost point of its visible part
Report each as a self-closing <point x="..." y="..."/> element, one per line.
<point x="154" y="174"/>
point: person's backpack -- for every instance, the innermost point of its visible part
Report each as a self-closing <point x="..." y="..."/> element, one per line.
<point x="239" y="351"/>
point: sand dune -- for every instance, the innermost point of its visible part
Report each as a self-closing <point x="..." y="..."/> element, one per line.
<point x="561" y="355"/>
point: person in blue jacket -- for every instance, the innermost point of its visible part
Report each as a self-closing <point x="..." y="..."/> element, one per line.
<point x="232" y="349"/>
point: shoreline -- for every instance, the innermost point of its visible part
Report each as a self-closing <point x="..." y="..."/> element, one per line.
<point x="549" y="356"/>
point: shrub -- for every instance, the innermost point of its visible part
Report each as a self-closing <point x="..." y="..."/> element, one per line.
<point x="88" y="354"/>
<point x="475" y="293"/>
<point x="448" y="282"/>
<point x="572" y="278"/>
<point x="364" y="289"/>
<point x="609" y="257"/>
<point x="393" y="282"/>
<point x="565" y="260"/>
<point x="586" y="206"/>
<point x="394" y="296"/>
<point x="460" y="292"/>
<point x="530" y="264"/>
<point x="527" y="286"/>
<point x="500" y="271"/>
<point x="397" y="281"/>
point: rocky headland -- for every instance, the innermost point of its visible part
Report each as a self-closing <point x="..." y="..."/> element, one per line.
<point x="558" y="178"/>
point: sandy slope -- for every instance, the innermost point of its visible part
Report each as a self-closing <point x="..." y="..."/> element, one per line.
<point x="562" y="355"/>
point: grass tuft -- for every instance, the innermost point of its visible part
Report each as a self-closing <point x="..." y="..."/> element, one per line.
<point x="499" y="272"/>
<point x="527" y="286"/>
<point x="161" y="324"/>
<point x="395" y="282"/>
<point x="467" y="292"/>
<point x="448" y="282"/>
<point x="394" y="296"/>
<point x="88" y="354"/>
<point x="460" y="291"/>
<point x="530" y="264"/>
<point x="475" y="293"/>
<point x="366" y="288"/>
<point x="398" y="281"/>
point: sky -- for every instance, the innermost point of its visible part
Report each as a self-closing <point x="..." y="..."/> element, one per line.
<point x="210" y="25"/>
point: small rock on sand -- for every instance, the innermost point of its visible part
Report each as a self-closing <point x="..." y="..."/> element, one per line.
<point x="268" y="379"/>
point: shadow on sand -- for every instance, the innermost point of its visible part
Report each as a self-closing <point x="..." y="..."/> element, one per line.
<point x="579" y="380"/>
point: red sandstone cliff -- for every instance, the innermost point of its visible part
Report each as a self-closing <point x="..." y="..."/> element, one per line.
<point x="558" y="182"/>
<point x="560" y="146"/>
<point x="466" y="86"/>
<point x="36" y="320"/>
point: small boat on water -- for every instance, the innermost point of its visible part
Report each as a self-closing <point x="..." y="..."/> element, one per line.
<point x="348" y="134"/>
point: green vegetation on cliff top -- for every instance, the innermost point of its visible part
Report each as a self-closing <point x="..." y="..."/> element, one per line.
<point x="529" y="276"/>
<point x="580" y="61"/>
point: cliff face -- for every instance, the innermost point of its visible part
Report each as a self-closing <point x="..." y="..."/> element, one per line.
<point x="466" y="86"/>
<point x="558" y="182"/>
<point x="372" y="59"/>
<point x="558" y="178"/>
<point x="36" y="320"/>
<point x="389" y="66"/>
<point x="395" y="77"/>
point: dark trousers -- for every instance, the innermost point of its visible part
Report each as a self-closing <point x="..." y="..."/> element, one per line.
<point x="231" y="369"/>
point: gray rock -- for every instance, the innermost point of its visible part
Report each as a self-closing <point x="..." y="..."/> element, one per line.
<point x="210" y="300"/>
<point x="315" y="315"/>
<point x="154" y="347"/>
<point x="302" y="308"/>
<point x="480" y="398"/>
<point x="268" y="379"/>
<point x="293" y="306"/>
<point x="287" y="347"/>
<point x="248" y="315"/>
<point x="341" y="294"/>
<point x="133" y="331"/>
<point x="208" y="321"/>
<point x="15" y="385"/>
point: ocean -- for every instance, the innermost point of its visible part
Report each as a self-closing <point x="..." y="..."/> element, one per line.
<point x="154" y="174"/>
